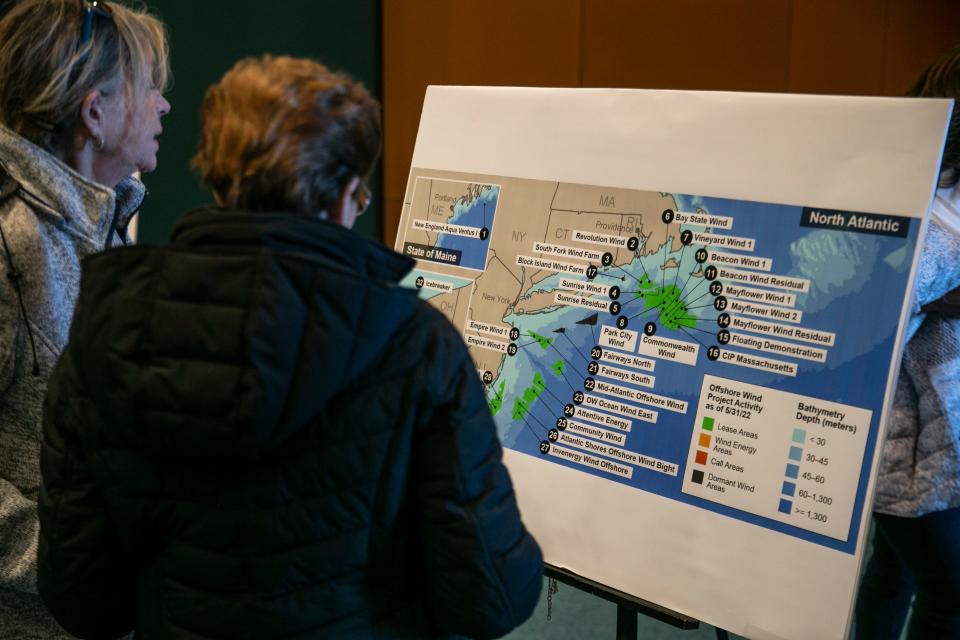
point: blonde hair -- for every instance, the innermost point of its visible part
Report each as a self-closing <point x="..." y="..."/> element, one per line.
<point x="46" y="71"/>
<point x="285" y="134"/>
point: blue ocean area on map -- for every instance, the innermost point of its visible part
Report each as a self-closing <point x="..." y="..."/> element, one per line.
<point x="416" y="276"/>
<point x="477" y="211"/>
<point x="857" y="282"/>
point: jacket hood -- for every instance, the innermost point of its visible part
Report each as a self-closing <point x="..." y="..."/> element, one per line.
<point x="237" y="334"/>
<point x="86" y="206"/>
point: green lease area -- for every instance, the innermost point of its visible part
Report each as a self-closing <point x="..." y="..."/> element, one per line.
<point x="543" y="342"/>
<point x="522" y="405"/>
<point x="557" y="368"/>
<point x="497" y="401"/>
<point x="673" y="313"/>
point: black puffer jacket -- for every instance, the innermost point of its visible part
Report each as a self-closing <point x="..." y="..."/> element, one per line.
<point x="254" y="433"/>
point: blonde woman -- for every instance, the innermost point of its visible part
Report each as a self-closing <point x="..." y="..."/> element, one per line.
<point x="81" y="100"/>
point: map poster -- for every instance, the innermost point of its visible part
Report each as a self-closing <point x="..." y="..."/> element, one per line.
<point x="690" y="384"/>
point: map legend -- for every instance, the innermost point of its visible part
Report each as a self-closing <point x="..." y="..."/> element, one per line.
<point x="760" y="462"/>
<point x="702" y="455"/>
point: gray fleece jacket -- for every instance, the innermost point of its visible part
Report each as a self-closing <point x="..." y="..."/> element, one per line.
<point x="920" y="469"/>
<point x="51" y="219"/>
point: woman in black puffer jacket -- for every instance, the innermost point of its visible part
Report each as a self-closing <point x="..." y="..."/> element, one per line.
<point x="253" y="432"/>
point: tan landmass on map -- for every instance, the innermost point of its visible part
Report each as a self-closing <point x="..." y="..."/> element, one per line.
<point x="494" y="293"/>
<point x="433" y="200"/>
<point x="671" y="264"/>
<point x="487" y="360"/>
<point x="616" y="212"/>
<point x="536" y="302"/>
<point x="453" y="304"/>
<point x="515" y="230"/>
<point x="588" y="198"/>
<point x="519" y="223"/>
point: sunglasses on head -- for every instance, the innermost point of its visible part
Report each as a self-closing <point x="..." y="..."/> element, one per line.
<point x="92" y="9"/>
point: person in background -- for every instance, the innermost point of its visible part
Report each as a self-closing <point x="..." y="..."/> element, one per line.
<point x="254" y="432"/>
<point x="80" y="110"/>
<point x="916" y="551"/>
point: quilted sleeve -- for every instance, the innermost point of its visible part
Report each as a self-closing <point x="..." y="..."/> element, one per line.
<point x="84" y="576"/>
<point x="484" y="570"/>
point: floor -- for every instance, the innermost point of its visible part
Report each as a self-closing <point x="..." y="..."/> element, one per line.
<point x="577" y="615"/>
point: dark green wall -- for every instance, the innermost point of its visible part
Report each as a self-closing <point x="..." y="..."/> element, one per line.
<point x="207" y="37"/>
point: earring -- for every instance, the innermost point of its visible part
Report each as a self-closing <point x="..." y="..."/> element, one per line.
<point x="98" y="142"/>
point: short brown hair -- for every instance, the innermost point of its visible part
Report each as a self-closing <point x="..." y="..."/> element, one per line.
<point x="46" y="71"/>
<point x="942" y="80"/>
<point x="285" y="134"/>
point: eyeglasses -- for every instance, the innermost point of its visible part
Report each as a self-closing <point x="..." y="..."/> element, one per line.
<point x="363" y="198"/>
<point x="91" y="9"/>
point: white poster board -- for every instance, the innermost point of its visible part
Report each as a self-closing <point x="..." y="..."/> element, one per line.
<point x="687" y="309"/>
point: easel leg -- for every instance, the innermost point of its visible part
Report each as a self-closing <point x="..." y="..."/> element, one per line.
<point x="626" y="623"/>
